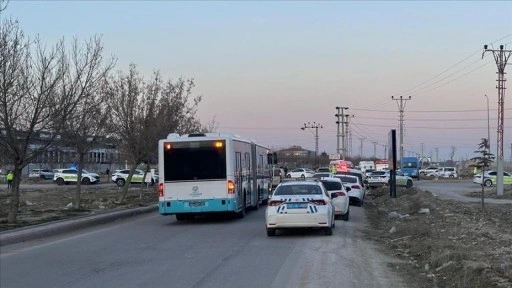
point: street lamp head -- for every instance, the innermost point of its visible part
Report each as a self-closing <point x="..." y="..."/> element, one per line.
<point x="485" y="46"/>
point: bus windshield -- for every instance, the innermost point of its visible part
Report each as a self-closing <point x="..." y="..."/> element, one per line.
<point x="192" y="161"/>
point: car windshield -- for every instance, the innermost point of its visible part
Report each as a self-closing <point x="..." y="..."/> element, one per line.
<point x="298" y="190"/>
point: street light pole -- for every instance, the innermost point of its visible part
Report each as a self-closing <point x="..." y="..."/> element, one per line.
<point x="310" y="126"/>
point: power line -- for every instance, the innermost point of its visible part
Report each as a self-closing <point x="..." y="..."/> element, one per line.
<point x="429" y="111"/>
<point x="433" y="120"/>
<point x="408" y="91"/>
<point x="427" y="127"/>
<point x="479" y="67"/>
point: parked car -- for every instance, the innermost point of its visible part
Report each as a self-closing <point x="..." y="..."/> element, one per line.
<point x="67" y="176"/>
<point x="490" y="178"/>
<point x="121" y="176"/>
<point x="300" y="204"/>
<point x="300" y="173"/>
<point x="380" y="178"/>
<point x="357" y="190"/>
<point x="341" y="203"/>
<point x="358" y="173"/>
<point x="444" y="172"/>
<point x="323" y="169"/>
<point x="367" y="172"/>
<point x="41" y="173"/>
<point x="428" y="170"/>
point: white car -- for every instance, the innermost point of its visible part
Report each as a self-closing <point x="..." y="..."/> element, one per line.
<point x="300" y="204"/>
<point x="41" y="173"/>
<point x="341" y="203"/>
<point x="429" y="170"/>
<point x="121" y="176"/>
<point x="444" y="172"/>
<point x="490" y="178"/>
<point x="300" y="173"/>
<point x="381" y="178"/>
<point x="66" y="176"/>
<point x="357" y="191"/>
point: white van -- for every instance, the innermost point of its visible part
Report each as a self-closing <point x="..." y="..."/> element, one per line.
<point x="445" y="172"/>
<point x="277" y="177"/>
<point x="363" y="165"/>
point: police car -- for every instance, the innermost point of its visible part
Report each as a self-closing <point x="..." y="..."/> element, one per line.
<point x="491" y="177"/>
<point x="300" y="204"/>
<point x="120" y="177"/>
<point x="66" y="176"/>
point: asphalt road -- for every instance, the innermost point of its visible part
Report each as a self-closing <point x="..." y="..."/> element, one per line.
<point x="456" y="190"/>
<point x="154" y="250"/>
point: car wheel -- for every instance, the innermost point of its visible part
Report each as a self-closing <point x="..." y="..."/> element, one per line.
<point x="409" y="184"/>
<point x="302" y="177"/>
<point x="271" y="232"/>
<point x="488" y="183"/>
<point x="328" y="231"/>
<point x="451" y="176"/>
<point x="346" y="216"/>
<point x="60" y="181"/>
<point x="120" y="182"/>
<point x="86" y="181"/>
<point x="289" y="176"/>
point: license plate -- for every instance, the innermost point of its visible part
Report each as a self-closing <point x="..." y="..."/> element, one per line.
<point x="196" y="203"/>
<point x="297" y="205"/>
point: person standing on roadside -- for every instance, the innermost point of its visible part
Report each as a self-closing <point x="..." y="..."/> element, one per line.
<point x="10" y="177"/>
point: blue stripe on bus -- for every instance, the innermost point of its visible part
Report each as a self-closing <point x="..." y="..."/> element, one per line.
<point x="210" y="205"/>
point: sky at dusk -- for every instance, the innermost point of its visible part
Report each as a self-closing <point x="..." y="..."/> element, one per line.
<point x="266" y="68"/>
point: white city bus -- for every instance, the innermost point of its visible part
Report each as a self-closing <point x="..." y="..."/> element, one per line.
<point x="212" y="172"/>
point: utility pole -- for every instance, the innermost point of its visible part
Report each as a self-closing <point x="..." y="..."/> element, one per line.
<point x="401" y="107"/>
<point x="422" y="146"/>
<point x="374" y="149"/>
<point x="437" y="155"/>
<point x="385" y="152"/>
<point x="501" y="57"/>
<point x="340" y="112"/>
<point x="348" y="143"/>
<point x="315" y="126"/>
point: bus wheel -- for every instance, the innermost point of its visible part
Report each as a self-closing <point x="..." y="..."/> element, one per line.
<point x="180" y="217"/>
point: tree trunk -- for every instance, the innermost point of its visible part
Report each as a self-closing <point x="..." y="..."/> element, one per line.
<point x="124" y="191"/>
<point x="12" y="217"/>
<point x="144" y="184"/>
<point x="77" y="203"/>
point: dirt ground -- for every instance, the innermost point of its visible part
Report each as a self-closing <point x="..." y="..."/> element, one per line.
<point x="452" y="244"/>
<point x="40" y="205"/>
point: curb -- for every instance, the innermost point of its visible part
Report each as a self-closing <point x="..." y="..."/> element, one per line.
<point x="59" y="227"/>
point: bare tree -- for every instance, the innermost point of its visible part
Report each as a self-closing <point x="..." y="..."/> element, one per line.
<point x="3" y="5"/>
<point x="144" y="112"/>
<point x="32" y="107"/>
<point x="82" y="82"/>
<point x="452" y="153"/>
